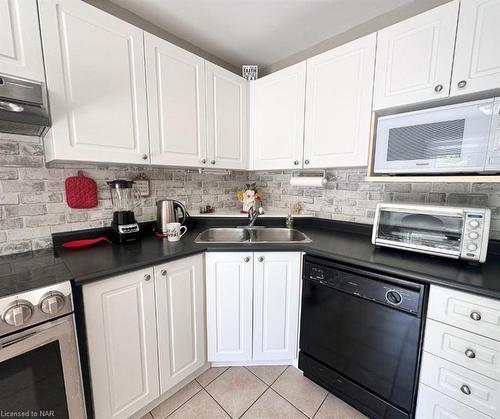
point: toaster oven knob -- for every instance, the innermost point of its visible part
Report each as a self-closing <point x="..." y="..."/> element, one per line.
<point x="473" y="235"/>
<point x="474" y="223"/>
<point x="52" y="303"/>
<point x="18" y="313"/>
<point x="472" y="247"/>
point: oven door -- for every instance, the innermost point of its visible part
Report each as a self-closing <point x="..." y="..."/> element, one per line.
<point x="40" y="372"/>
<point x="449" y="139"/>
<point x="372" y="345"/>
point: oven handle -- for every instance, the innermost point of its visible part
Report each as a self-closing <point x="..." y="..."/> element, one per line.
<point x="17" y="339"/>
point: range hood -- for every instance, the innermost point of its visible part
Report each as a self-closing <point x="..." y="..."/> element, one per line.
<point x="23" y="106"/>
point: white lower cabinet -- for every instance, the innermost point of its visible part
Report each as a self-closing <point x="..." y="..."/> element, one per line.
<point x="145" y="334"/>
<point x="252" y="306"/>
<point x="180" y="313"/>
<point x="122" y="345"/>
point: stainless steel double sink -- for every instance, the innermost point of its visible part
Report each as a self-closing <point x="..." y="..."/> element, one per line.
<point x="252" y="235"/>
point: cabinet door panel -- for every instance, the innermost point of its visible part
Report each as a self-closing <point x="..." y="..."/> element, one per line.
<point x="96" y="83"/>
<point x="338" y="105"/>
<point x="122" y="346"/>
<point x="226" y="118"/>
<point x="20" y="44"/>
<point x="176" y="99"/>
<point x="180" y="318"/>
<point x="276" y="305"/>
<point x="229" y="306"/>
<point x="477" y="55"/>
<point x="414" y="57"/>
<point x="277" y="119"/>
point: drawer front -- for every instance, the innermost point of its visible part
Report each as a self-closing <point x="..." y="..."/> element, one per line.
<point x="467" y="349"/>
<point x="476" y="314"/>
<point x="432" y="404"/>
<point x="455" y="381"/>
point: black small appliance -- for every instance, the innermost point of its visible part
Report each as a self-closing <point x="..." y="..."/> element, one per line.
<point x="125" y="199"/>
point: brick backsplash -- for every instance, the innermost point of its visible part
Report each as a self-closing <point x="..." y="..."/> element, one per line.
<point x="33" y="203"/>
<point x="348" y="197"/>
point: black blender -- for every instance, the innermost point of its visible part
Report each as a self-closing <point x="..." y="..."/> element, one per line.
<point x="125" y="199"/>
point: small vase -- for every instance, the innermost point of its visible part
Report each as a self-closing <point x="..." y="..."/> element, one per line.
<point x="247" y="205"/>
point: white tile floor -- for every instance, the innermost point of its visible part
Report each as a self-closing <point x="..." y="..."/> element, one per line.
<point x="277" y="392"/>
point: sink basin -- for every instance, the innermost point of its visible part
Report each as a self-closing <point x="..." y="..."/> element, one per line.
<point x="251" y="235"/>
<point x="224" y="235"/>
<point x="281" y="235"/>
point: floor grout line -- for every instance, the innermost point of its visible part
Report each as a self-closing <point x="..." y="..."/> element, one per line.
<point x="288" y="401"/>
<point x="178" y="407"/>
<point x="218" y="404"/>
<point x="210" y="382"/>
<point x="321" y="404"/>
<point x="277" y="378"/>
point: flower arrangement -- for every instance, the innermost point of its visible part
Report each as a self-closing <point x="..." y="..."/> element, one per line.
<point x="248" y="196"/>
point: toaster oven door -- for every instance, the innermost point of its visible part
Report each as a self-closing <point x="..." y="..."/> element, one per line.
<point x="435" y="233"/>
<point x="448" y="139"/>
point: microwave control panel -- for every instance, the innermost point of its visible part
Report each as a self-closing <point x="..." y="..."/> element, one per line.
<point x="474" y="231"/>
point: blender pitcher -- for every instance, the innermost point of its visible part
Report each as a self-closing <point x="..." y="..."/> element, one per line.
<point x="125" y="198"/>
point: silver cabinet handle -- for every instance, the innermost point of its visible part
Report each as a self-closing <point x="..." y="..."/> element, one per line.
<point x="147" y="277"/>
<point x="461" y="84"/>
<point x="306" y="161"/>
<point x="164" y="272"/>
<point x="475" y="316"/>
<point x="469" y="353"/>
<point x="438" y="88"/>
<point x="261" y="259"/>
<point x="144" y="157"/>
<point x="465" y="389"/>
<point x="296" y="162"/>
<point x="203" y="161"/>
<point x="212" y="162"/>
<point x="247" y="259"/>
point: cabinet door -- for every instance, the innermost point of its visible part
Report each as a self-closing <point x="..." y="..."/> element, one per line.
<point x="277" y="119"/>
<point x="477" y="54"/>
<point x="96" y="83"/>
<point x="180" y="317"/>
<point x="176" y="99"/>
<point x="226" y="118"/>
<point x="20" y="44"/>
<point x="339" y="104"/>
<point x="121" y="339"/>
<point x="276" y="305"/>
<point x="414" y="58"/>
<point x="229" y="306"/>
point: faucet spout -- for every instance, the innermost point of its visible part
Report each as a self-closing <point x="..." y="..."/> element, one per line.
<point x="252" y="216"/>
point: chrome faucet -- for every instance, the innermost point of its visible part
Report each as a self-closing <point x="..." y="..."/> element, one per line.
<point x="252" y="216"/>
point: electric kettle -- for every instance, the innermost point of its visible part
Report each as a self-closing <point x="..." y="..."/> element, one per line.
<point x="166" y="212"/>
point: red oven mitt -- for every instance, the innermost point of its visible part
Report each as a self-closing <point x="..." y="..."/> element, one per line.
<point x="81" y="191"/>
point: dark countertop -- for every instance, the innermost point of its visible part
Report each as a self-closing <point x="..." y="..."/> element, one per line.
<point x="31" y="270"/>
<point x="342" y="242"/>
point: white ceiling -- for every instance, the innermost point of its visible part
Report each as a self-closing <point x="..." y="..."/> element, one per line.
<point x="257" y="31"/>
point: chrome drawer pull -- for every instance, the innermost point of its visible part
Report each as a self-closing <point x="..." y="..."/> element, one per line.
<point x="475" y="316"/>
<point x="469" y="353"/>
<point x="465" y="389"/>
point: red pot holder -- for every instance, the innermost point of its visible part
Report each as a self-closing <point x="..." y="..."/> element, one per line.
<point x="81" y="191"/>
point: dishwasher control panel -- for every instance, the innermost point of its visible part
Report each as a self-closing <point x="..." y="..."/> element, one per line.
<point x="364" y="285"/>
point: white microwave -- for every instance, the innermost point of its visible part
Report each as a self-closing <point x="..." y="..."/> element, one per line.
<point x="460" y="138"/>
<point x="453" y="232"/>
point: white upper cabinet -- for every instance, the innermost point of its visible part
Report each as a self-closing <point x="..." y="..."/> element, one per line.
<point x="227" y="129"/>
<point x="180" y="314"/>
<point x="477" y="52"/>
<point x="229" y="306"/>
<point x="277" y="119"/>
<point x="414" y="58"/>
<point x="122" y="345"/>
<point x="96" y="82"/>
<point x="339" y="105"/>
<point x="276" y="305"/>
<point x="176" y="99"/>
<point x="20" y="44"/>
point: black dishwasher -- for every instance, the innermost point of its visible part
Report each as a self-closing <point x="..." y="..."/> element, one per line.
<point x="361" y="336"/>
